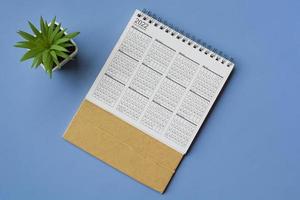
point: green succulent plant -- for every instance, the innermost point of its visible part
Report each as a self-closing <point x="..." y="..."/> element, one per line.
<point x="48" y="46"/>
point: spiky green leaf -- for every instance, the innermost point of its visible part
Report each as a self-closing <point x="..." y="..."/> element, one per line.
<point x="46" y="59"/>
<point x="34" y="61"/>
<point x="61" y="54"/>
<point x="46" y="27"/>
<point x="25" y="44"/>
<point x="72" y="35"/>
<point x="59" y="35"/>
<point x="51" y="27"/>
<point x="38" y="60"/>
<point x="62" y="40"/>
<point x="26" y="35"/>
<point x="34" y="29"/>
<point x="58" y="48"/>
<point x="67" y="44"/>
<point x="57" y="28"/>
<point x="42" y="25"/>
<point x="30" y="54"/>
<point x="55" y="59"/>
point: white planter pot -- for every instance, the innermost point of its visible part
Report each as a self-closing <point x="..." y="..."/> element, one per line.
<point x="63" y="62"/>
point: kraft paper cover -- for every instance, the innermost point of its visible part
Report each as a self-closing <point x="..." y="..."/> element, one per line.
<point x="122" y="146"/>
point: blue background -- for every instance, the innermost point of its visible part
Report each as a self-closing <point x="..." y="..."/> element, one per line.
<point x="249" y="147"/>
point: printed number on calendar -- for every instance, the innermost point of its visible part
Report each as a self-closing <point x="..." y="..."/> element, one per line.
<point x="141" y="23"/>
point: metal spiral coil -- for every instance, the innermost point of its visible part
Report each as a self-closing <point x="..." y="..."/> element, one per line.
<point x="191" y="40"/>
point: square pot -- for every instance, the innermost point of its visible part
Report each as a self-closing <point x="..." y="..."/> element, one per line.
<point x="72" y="55"/>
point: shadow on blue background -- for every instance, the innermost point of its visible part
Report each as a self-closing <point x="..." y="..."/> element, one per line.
<point x="247" y="149"/>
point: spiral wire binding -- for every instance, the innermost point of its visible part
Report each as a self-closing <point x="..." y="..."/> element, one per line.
<point x="185" y="37"/>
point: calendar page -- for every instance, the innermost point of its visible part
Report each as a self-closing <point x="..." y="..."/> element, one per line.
<point x="160" y="81"/>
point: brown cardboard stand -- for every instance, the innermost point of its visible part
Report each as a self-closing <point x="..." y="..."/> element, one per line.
<point x="122" y="146"/>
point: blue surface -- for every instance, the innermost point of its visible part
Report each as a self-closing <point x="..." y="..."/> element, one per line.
<point x="248" y="148"/>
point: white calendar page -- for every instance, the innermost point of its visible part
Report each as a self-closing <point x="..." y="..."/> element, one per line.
<point x="160" y="82"/>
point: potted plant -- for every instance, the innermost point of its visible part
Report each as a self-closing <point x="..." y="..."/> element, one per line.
<point x="51" y="46"/>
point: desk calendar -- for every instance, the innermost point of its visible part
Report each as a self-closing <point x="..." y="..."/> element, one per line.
<point x="159" y="84"/>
